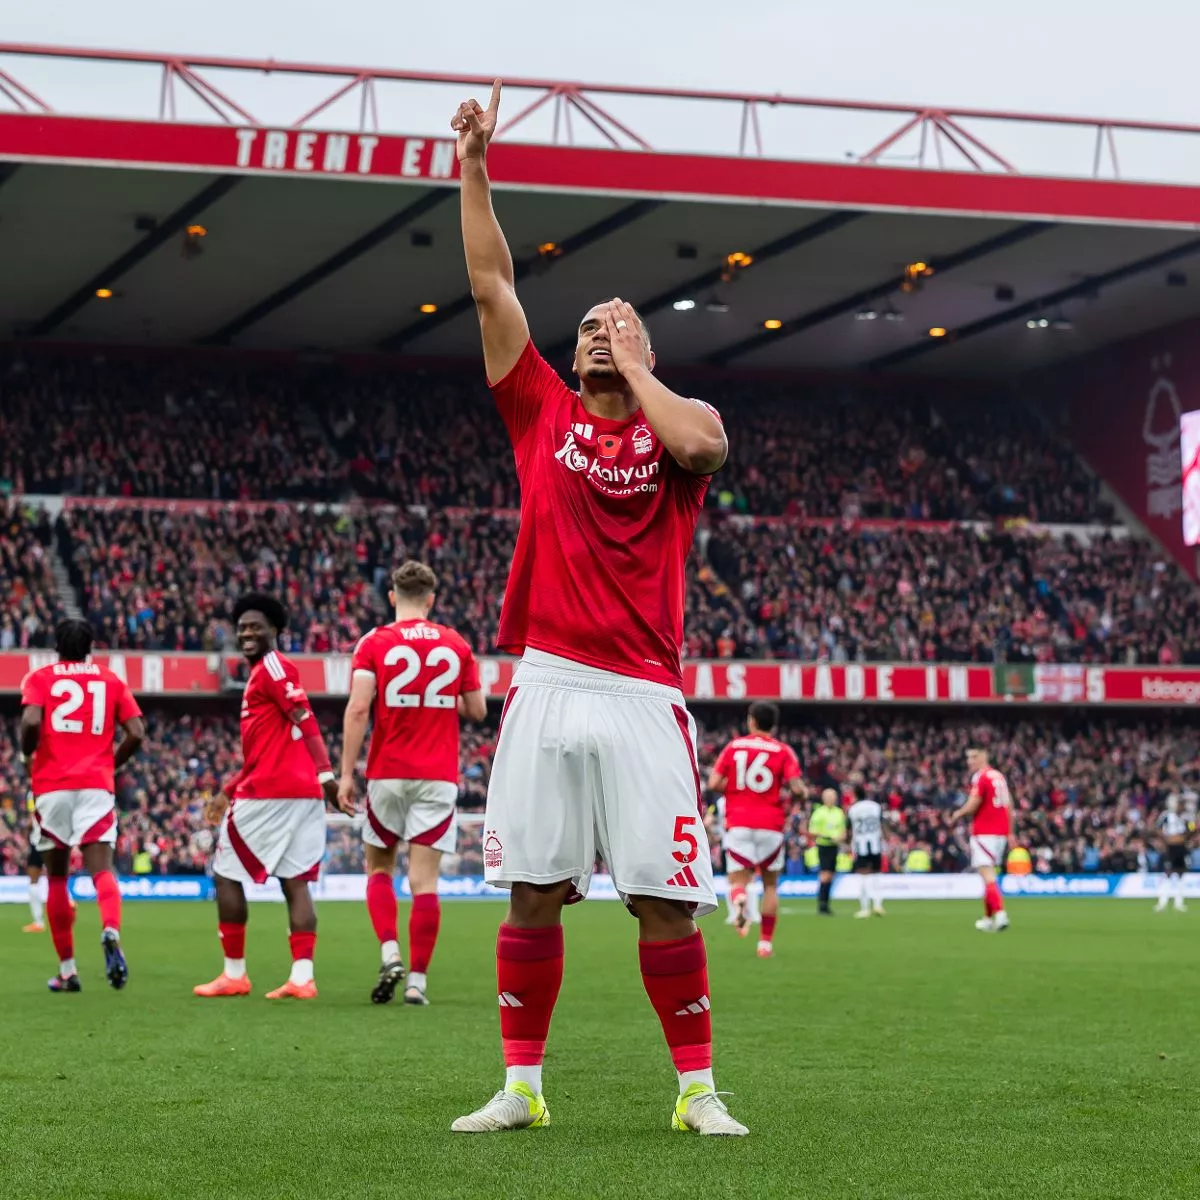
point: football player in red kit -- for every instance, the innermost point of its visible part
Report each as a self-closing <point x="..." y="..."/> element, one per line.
<point x="419" y="677"/>
<point x="272" y="812"/>
<point x="596" y="754"/>
<point x="989" y="805"/>
<point x="751" y="773"/>
<point x="71" y="710"/>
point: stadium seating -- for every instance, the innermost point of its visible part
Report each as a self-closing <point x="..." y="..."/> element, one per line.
<point x="1086" y="789"/>
<point x="157" y="578"/>
<point x="242" y="429"/>
<point x="954" y="594"/>
<point x="207" y="429"/>
<point x="28" y="597"/>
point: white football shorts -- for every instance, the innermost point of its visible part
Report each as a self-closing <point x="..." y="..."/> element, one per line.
<point x="420" y="811"/>
<point x="754" y="849"/>
<point x="988" y="849"/>
<point x="78" y="817"/>
<point x="589" y="762"/>
<point x="261" y="838"/>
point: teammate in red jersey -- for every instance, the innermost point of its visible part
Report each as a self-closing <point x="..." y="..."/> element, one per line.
<point x="751" y="773"/>
<point x="71" y="711"/>
<point x="419" y="677"/>
<point x="272" y="812"/>
<point x="596" y="751"/>
<point x="989" y="805"/>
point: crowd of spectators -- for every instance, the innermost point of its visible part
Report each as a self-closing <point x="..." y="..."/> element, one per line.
<point x="952" y="594"/>
<point x="242" y="428"/>
<point x="29" y="605"/>
<point x="157" y="578"/>
<point x="166" y="577"/>
<point x="828" y="454"/>
<point x="1086" y="789"/>
<point x="210" y="428"/>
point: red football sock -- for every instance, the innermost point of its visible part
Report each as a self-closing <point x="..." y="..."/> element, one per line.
<point x="381" y="906"/>
<point x="61" y="914"/>
<point x="108" y="900"/>
<point x="993" y="898"/>
<point x="302" y="944"/>
<point x="423" y="924"/>
<point x="737" y="892"/>
<point x="529" y="970"/>
<point x="233" y="939"/>
<point x="768" y="928"/>
<point x="675" y="975"/>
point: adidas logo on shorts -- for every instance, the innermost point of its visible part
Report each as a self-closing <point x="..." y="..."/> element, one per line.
<point x="685" y="878"/>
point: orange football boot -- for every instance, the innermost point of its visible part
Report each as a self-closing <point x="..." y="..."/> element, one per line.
<point x="223" y="985"/>
<point x="33" y="927"/>
<point x="296" y="991"/>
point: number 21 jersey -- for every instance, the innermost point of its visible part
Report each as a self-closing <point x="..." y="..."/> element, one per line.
<point x="82" y="704"/>
<point x="420" y="669"/>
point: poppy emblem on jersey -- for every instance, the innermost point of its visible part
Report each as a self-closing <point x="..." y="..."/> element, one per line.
<point x="643" y="440"/>
<point x="493" y="850"/>
<point x="607" y="445"/>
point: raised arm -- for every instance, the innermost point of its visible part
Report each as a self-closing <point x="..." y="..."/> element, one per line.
<point x="489" y="263"/>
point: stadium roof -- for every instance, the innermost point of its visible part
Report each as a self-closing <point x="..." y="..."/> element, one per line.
<point x="300" y="252"/>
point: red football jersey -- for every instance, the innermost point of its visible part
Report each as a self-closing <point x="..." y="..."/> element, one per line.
<point x="275" y="763"/>
<point x="756" y="768"/>
<point x="992" y="816"/>
<point x="420" y="669"/>
<point x="82" y="705"/>
<point x="607" y="518"/>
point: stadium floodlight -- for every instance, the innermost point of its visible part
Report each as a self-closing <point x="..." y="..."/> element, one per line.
<point x="891" y="312"/>
<point x="684" y="305"/>
<point x="772" y="323"/>
<point x="937" y="331"/>
<point x="866" y="313"/>
<point x="427" y="309"/>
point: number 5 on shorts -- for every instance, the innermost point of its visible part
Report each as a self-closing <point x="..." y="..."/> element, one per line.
<point x="685" y="837"/>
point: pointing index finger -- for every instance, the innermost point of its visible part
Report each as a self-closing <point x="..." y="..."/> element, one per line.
<point x="494" y="102"/>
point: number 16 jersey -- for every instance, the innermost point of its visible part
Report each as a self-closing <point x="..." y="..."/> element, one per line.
<point x="756" y="768"/>
<point x="420" y="669"/>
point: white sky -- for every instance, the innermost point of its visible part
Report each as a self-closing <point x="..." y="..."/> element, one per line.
<point x="1103" y="58"/>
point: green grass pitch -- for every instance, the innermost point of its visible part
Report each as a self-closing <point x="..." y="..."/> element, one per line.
<point x="906" y="1057"/>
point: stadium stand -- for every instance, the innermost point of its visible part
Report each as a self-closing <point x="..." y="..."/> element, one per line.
<point x="162" y="578"/>
<point x="242" y="429"/>
<point x="28" y="594"/>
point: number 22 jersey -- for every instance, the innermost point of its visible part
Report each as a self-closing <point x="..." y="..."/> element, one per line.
<point x="420" y="669"/>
